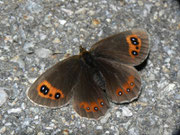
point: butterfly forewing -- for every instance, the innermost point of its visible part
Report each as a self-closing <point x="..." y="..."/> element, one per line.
<point x="54" y="87"/>
<point x="129" y="47"/>
<point x="89" y="100"/>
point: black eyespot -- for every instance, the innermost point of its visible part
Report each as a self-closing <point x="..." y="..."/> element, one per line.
<point x="44" y="89"/>
<point x="128" y="90"/>
<point x="88" y="108"/>
<point x="50" y="95"/>
<point x="102" y="103"/>
<point x="95" y="108"/>
<point x="57" y="95"/>
<point x="134" y="53"/>
<point x="119" y="93"/>
<point x="137" y="47"/>
<point x="131" y="83"/>
<point x="134" y="41"/>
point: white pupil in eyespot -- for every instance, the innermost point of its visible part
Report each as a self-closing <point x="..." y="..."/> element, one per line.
<point x="95" y="108"/>
<point x="133" y="39"/>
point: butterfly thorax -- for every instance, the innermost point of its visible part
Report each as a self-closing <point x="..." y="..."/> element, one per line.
<point x="87" y="57"/>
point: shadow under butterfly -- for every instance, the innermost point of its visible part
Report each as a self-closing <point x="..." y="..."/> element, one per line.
<point x="113" y="58"/>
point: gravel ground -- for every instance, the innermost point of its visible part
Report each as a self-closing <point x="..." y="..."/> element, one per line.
<point x="33" y="32"/>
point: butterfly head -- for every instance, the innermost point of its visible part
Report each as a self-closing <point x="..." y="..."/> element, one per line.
<point x="82" y="50"/>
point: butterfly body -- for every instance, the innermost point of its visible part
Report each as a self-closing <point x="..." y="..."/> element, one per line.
<point x="112" y="59"/>
<point x="87" y="58"/>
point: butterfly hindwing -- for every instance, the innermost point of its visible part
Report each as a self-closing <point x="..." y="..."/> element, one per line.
<point x="89" y="100"/>
<point x="54" y="87"/>
<point x="123" y="82"/>
<point x="129" y="47"/>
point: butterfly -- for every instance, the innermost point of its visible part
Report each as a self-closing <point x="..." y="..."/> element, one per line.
<point x="76" y="78"/>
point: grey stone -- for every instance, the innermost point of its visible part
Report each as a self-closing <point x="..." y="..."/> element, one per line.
<point x="126" y="112"/>
<point x="3" y="96"/>
<point x="19" y="60"/>
<point x="14" y="110"/>
<point x="28" y="47"/>
<point x="43" y="52"/>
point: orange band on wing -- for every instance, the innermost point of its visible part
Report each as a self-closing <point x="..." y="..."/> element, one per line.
<point x="100" y="102"/>
<point x="93" y="106"/>
<point x="86" y="106"/>
<point x="46" y="90"/>
<point x="134" y="43"/>
<point x="119" y="92"/>
<point x="126" y="87"/>
<point x="131" y="82"/>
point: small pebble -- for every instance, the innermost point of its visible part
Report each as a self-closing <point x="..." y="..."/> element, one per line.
<point x="140" y="3"/>
<point x="14" y="110"/>
<point x="40" y="133"/>
<point x="56" y="41"/>
<point x="42" y="36"/>
<point x="95" y="22"/>
<point x="170" y="87"/>
<point x="18" y="59"/>
<point x="126" y="112"/>
<point x="33" y="7"/>
<point x="118" y="114"/>
<point x="105" y="118"/>
<point x="68" y="11"/>
<point x="2" y="129"/>
<point x="3" y="97"/>
<point x="28" y="47"/>
<point x="62" y="22"/>
<point x="43" y="53"/>
<point x="133" y="131"/>
<point x="99" y="127"/>
<point x="65" y="132"/>
<point x="8" y="38"/>
<point x="23" y="106"/>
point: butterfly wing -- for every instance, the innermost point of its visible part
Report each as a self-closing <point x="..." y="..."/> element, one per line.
<point x="89" y="99"/>
<point x="129" y="47"/>
<point x="54" y="87"/>
<point x="123" y="82"/>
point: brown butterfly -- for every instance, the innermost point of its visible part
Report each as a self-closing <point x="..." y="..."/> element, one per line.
<point x="111" y="59"/>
